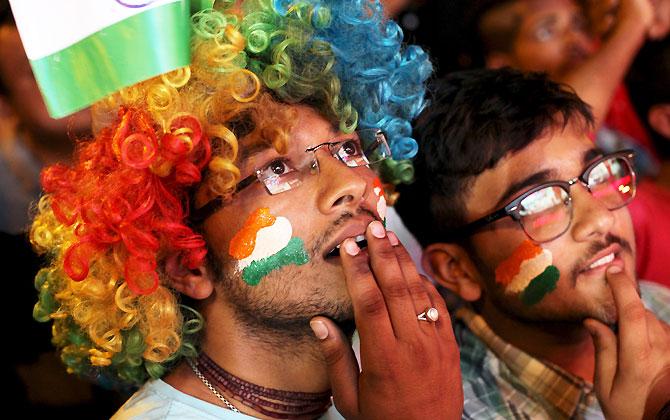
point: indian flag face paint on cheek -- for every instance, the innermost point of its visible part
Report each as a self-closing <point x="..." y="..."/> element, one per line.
<point x="378" y="189"/>
<point x="528" y="272"/>
<point x="265" y="244"/>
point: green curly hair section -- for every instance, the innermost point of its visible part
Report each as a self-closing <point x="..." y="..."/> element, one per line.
<point x="283" y="52"/>
<point x="129" y="364"/>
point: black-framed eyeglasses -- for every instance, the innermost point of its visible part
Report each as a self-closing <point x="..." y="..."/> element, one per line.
<point x="545" y="211"/>
<point x="364" y="147"/>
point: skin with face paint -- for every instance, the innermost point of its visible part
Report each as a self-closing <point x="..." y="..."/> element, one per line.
<point x="381" y="199"/>
<point x="595" y="232"/>
<point x="265" y="244"/>
<point x="345" y="203"/>
<point x="261" y="331"/>
<point x="555" y="320"/>
<point x="262" y="318"/>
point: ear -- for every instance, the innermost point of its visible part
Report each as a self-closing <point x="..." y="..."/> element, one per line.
<point x="497" y="60"/>
<point x="451" y="266"/>
<point x="195" y="283"/>
<point x="659" y="119"/>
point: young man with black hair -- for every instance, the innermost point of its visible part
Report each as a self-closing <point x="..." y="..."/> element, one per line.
<point x="524" y="219"/>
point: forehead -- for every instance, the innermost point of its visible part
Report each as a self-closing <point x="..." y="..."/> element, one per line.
<point x="308" y="129"/>
<point x="558" y="152"/>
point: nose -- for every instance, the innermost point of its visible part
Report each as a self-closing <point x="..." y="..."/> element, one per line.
<point x="591" y="220"/>
<point x="339" y="186"/>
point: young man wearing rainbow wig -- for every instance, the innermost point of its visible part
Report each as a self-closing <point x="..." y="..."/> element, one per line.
<point x="225" y="226"/>
<point x="526" y="221"/>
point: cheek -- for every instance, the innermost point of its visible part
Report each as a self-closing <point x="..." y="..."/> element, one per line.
<point x="528" y="273"/>
<point x="264" y="244"/>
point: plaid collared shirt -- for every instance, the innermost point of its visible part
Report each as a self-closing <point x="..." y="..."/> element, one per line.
<point x="502" y="382"/>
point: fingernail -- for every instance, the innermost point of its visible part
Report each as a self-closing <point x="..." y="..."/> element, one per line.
<point x="614" y="269"/>
<point x="377" y="229"/>
<point x="590" y="329"/>
<point x="350" y="247"/>
<point x="320" y="329"/>
<point x="393" y="238"/>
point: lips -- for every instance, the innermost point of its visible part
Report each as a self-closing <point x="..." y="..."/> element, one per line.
<point x="354" y="229"/>
<point x="602" y="258"/>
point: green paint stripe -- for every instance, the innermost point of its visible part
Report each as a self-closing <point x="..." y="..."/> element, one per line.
<point x="540" y="286"/>
<point x="292" y="254"/>
<point x="135" y="49"/>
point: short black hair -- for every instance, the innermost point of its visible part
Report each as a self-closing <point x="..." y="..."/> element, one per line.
<point x="475" y="119"/>
<point x="6" y="16"/>
<point x="648" y="83"/>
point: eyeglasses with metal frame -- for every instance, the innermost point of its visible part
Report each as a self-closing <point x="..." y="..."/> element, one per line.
<point x="363" y="148"/>
<point x="545" y="211"/>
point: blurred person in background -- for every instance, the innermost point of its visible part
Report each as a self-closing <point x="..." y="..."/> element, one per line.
<point x="29" y="140"/>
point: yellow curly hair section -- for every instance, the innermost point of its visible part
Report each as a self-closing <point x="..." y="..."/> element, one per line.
<point x="100" y="322"/>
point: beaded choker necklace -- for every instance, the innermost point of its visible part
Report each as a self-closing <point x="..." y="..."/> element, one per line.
<point x="270" y="402"/>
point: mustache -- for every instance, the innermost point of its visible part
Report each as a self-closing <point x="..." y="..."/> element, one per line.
<point x="596" y="247"/>
<point x="327" y="236"/>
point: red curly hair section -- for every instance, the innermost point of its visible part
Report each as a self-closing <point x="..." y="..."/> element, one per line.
<point x="126" y="194"/>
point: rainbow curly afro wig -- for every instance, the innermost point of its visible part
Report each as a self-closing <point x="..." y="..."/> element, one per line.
<point x="108" y="221"/>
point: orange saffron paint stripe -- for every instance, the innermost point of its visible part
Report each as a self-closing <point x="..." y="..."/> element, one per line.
<point x="509" y="268"/>
<point x="244" y="241"/>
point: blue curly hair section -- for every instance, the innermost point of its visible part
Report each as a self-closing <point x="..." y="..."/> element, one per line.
<point x="384" y="80"/>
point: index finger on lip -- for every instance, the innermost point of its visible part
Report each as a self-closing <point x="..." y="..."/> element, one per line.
<point x="631" y="313"/>
<point x="370" y="312"/>
<point x="392" y="281"/>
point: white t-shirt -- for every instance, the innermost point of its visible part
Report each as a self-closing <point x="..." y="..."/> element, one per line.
<point x="158" y="400"/>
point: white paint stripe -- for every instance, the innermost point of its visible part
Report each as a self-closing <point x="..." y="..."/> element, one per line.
<point x="529" y="270"/>
<point x="49" y="26"/>
<point x="269" y="241"/>
<point x="381" y="207"/>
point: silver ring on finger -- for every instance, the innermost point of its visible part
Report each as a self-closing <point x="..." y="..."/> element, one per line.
<point x="429" y="315"/>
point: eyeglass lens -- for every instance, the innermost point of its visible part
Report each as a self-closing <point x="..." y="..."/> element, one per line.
<point x="546" y="214"/>
<point x="370" y="147"/>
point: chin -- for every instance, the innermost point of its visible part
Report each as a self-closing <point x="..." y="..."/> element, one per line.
<point x="606" y="314"/>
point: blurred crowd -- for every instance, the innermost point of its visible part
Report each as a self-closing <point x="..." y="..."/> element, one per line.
<point x="614" y="53"/>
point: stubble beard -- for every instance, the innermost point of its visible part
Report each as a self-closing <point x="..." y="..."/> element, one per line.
<point x="604" y="310"/>
<point x="277" y="315"/>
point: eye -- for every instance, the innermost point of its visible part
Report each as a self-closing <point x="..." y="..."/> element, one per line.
<point x="277" y="167"/>
<point x="351" y="148"/>
<point x="544" y="33"/>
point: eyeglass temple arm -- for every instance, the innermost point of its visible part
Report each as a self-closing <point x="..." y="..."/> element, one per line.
<point x="479" y="223"/>
<point x="380" y="137"/>
<point x="199" y="215"/>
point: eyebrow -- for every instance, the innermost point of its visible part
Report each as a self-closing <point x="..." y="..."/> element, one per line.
<point x="591" y="155"/>
<point x="542" y="176"/>
<point x="256" y="149"/>
<point x="534" y="179"/>
<point x="261" y="147"/>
